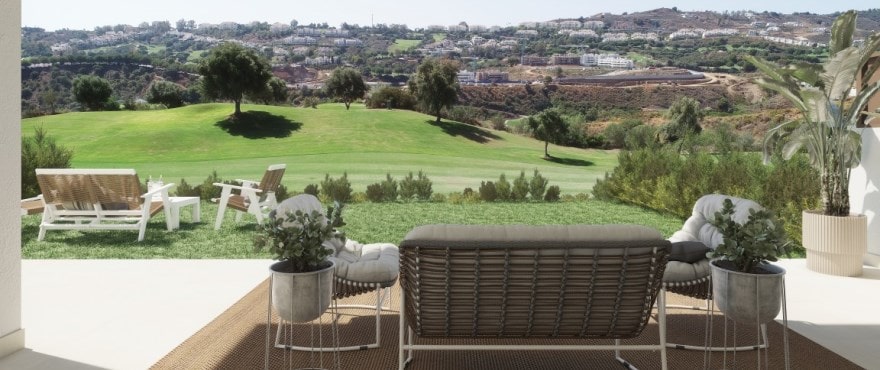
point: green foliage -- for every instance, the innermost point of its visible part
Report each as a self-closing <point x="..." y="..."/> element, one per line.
<point x="520" y="189"/>
<point x="298" y="238"/>
<point x="502" y="188"/>
<point x="391" y="98"/>
<point x="336" y="190"/>
<point x="537" y="186"/>
<point x="684" y="117"/>
<point x="275" y="92"/>
<point x="758" y="240"/>
<point x="435" y="85"/>
<point x="552" y="194"/>
<point x="92" y="92"/>
<point x="615" y="133"/>
<point x="415" y="187"/>
<point x="40" y="151"/>
<point x="389" y="189"/>
<point x="641" y="136"/>
<point x="311" y="102"/>
<point x="821" y="94"/>
<point x="346" y="85"/>
<point x="311" y="189"/>
<point x="167" y="93"/>
<point x="668" y="182"/>
<point x="488" y="192"/>
<point x="374" y="192"/>
<point x="548" y="126"/>
<point x="231" y="71"/>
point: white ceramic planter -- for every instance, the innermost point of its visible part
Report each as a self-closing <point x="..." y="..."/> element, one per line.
<point x="302" y="297"/>
<point x="836" y="245"/>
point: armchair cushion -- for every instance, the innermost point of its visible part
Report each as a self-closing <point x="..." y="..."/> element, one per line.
<point x="688" y="251"/>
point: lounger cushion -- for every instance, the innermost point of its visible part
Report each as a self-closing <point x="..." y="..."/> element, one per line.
<point x="367" y="263"/>
<point x="688" y="251"/>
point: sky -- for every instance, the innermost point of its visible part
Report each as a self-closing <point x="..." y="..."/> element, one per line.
<point x="88" y="14"/>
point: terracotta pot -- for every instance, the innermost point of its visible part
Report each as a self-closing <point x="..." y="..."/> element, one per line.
<point x="836" y="245"/>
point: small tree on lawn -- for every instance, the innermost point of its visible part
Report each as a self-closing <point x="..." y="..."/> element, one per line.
<point x="346" y="84"/>
<point x="91" y="91"/>
<point x="548" y="126"/>
<point x="168" y="93"/>
<point x="40" y="151"/>
<point x="231" y="71"/>
<point x="435" y="85"/>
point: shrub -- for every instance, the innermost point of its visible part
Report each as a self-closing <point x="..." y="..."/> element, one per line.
<point x="391" y="98"/>
<point x="184" y="189"/>
<point x="502" y="188"/>
<point x="488" y="193"/>
<point x="642" y="136"/>
<point x="167" y="93"/>
<point x="389" y="189"/>
<point x="40" y="151"/>
<point x="311" y="189"/>
<point x="281" y="192"/>
<point x="415" y="187"/>
<point x="552" y="194"/>
<point x="359" y="197"/>
<point x="311" y="102"/>
<point x="337" y="190"/>
<point x="537" y="186"/>
<point x="374" y="193"/>
<point x="520" y="188"/>
<point x="438" y="198"/>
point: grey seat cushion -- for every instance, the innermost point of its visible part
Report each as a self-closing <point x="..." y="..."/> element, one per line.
<point x="366" y="263"/>
<point x="688" y="251"/>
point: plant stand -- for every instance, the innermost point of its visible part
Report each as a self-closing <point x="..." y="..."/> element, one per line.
<point x="315" y="333"/>
<point x="761" y="330"/>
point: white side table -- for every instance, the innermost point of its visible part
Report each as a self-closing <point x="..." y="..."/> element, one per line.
<point x="178" y="202"/>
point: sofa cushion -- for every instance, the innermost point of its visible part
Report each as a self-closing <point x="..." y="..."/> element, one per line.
<point x="367" y="263"/>
<point x="688" y="251"/>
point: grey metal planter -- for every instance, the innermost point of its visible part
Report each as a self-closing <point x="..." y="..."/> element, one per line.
<point x="301" y="297"/>
<point x="748" y="298"/>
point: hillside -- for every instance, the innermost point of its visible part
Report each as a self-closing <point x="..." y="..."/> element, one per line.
<point x="192" y="141"/>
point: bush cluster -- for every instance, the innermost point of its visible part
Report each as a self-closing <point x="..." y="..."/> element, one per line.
<point x="391" y="98"/>
<point x="207" y="190"/>
<point x="385" y="191"/>
<point x="663" y="180"/>
<point x="336" y="190"/>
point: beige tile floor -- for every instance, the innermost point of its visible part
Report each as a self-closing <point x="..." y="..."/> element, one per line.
<point x="127" y="314"/>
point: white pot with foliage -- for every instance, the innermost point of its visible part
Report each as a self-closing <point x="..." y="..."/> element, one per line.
<point x="745" y="286"/>
<point x="302" y="280"/>
<point x="835" y="240"/>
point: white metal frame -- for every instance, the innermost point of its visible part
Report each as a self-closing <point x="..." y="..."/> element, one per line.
<point x="382" y="296"/>
<point x="407" y="341"/>
<point x="99" y="218"/>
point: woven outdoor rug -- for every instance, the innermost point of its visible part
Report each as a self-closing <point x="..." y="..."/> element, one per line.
<point x="237" y="340"/>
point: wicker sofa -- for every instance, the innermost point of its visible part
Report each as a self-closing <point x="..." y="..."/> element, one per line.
<point x="515" y="281"/>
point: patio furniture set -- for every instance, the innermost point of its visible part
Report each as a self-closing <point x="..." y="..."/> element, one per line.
<point x="457" y="281"/>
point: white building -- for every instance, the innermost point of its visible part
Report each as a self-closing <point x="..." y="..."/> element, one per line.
<point x="584" y="34"/>
<point x="720" y="32"/>
<point x="595" y="25"/>
<point x="570" y="25"/>
<point x="612" y="37"/>
<point x="526" y="33"/>
<point x="348" y="42"/>
<point x="609" y="60"/>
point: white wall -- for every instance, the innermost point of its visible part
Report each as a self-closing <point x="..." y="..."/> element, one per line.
<point x="864" y="190"/>
<point x="11" y="334"/>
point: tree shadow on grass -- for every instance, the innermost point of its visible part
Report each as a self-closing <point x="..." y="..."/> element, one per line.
<point x="569" y="161"/>
<point x="258" y="125"/>
<point x="469" y="132"/>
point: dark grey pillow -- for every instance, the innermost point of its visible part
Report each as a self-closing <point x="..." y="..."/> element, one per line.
<point x="689" y="252"/>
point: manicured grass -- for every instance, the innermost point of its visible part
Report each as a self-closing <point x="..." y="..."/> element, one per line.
<point x="192" y="141"/>
<point x="366" y="223"/>
<point x="403" y="45"/>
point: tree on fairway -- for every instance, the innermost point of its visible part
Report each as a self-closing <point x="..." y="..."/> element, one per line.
<point x="684" y="118"/>
<point x="346" y="84"/>
<point x="435" y="85"/>
<point x="91" y="91"/>
<point x="165" y="92"/>
<point x="231" y="71"/>
<point x="548" y="126"/>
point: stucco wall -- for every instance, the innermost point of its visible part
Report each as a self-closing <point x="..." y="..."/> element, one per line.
<point x="864" y="190"/>
<point x="10" y="182"/>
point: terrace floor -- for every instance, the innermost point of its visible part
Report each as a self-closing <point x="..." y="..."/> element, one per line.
<point x="127" y="314"/>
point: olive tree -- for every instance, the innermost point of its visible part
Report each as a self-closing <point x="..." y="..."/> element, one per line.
<point x="435" y="85"/>
<point x="347" y="85"/>
<point x="231" y="71"/>
<point x="91" y="91"/>
<point x="548" y="126"/>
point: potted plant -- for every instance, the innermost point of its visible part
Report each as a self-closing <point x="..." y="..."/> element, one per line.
<point x="744" y="285"/>
<point x="835" y="240"/>
<point x="302" y="280"/>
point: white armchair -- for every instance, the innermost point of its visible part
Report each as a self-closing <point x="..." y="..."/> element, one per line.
<point x="256" y="198"/>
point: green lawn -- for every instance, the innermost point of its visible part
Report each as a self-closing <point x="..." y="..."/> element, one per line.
<point x="192" y="141"/>
<point x="403" y="45"/>
<point x="366" y="223"/>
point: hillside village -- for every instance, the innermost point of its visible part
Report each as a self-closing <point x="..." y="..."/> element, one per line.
<point x="569" y="51"/>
